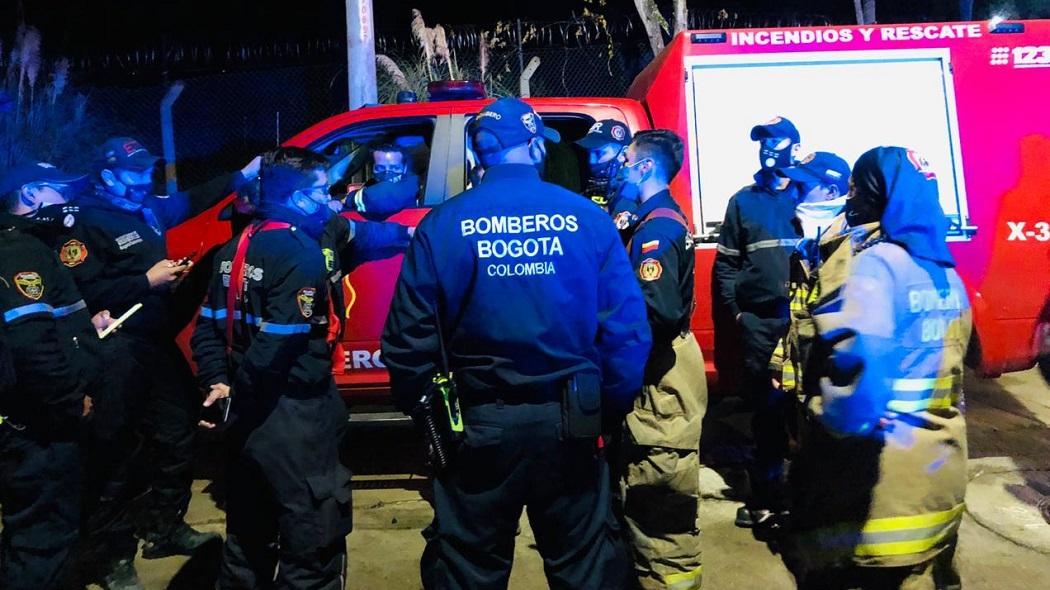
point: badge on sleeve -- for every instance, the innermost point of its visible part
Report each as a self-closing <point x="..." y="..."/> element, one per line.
<point x="305" y="299"/>
<point x="30" y="284"/>
<point x="650" y="270"/>
<point x="624" y="219"/>
<point x="73" y="253"/>
<point x="650" y="246"/>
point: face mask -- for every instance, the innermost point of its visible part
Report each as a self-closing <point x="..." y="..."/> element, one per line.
<point x="816" y="217"/>
<point x="137" y="192"/>
<point x="860" y="211"/>
<point x="642" y="177"/>
<point x="389" y="175"/>
<point x="775" y="153"/>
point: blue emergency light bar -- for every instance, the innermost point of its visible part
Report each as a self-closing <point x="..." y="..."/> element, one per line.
<point x="455" y="90"/>
<point x="709" y="38"/>
<point x="1006" y="28"/>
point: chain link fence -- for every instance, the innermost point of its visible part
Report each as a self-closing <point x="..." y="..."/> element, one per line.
<point x="241" y="100"/>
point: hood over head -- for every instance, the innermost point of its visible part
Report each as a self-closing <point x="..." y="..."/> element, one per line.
<point x="899" y="181"/>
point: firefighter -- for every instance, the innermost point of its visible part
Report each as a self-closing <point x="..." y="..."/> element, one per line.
<point x="880" y="475"/>
<point x="750" y="285"/>
<point x="660" y="483"/>
<point x="606" y="144"/>
<point x="823" y="181"/>
<point x="394" y="185"/>
<point x="47" y="335"/>
<point x="118" y="255"/>
<point x="263" y="341"/>
<point x="526" y="290"/>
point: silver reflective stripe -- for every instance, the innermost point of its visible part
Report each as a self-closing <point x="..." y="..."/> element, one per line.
<point x="727" y="251"/>
<point x="68" y="309"/>
<point x="761" y="245"/>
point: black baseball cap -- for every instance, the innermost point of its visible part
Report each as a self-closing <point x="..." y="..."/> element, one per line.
<point x="777" y="127"/>
<point x="126" y="153"/>
<point x="34" y="172"/>
<point x="512" y="122"/>
<point x="604" y="132"/>
<point x="821" y="167"/>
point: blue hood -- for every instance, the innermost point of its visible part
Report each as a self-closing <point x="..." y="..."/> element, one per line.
<point x="913" y="217"/>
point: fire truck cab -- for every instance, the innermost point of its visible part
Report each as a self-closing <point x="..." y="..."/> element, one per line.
<point x="970" y="97"/>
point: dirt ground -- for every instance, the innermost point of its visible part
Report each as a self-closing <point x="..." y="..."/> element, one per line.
<point x="1005" y="542"/>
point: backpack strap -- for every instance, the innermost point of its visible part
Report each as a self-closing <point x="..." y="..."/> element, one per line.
<point x="659" y="213"/>
<point x="235" y="292"/>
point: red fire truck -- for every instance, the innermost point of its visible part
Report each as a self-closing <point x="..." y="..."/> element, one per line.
<point x="972" y="97"/>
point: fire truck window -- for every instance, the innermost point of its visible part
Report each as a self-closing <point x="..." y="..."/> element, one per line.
<point x="566" y="162"/>
<point x="351" y="151"/>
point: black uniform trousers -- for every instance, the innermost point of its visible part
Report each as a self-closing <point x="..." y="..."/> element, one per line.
<point x="514" y="458"/>
<point x="40" y="485"/>
<point x="288" y="503"/>
<point x="140" y="438"/>
<point x="760" y="330"/>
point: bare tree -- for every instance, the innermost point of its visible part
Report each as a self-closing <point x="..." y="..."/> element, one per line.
<point x="865" y="10"/>
<point x="655" y="23"/>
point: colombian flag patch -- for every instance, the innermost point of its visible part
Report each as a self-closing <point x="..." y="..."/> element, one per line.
<point x="650" y="246"/>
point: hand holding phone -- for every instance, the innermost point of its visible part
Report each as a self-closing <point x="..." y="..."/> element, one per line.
<point x="117" y="322"/>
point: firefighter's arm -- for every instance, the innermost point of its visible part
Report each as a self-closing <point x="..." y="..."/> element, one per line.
<point x="410" y="342"/>
<point x="293" y="301"/>
<point x="208" y="342"/>
<point x="42" y="360"/>
<point x="193" y="201"/>
<point x="656" y="252"/>
<point x="728" y="261"/>
<point x="74" y="322"/>
<point x="624" y="338"/>
<point x="103" y="285"/>
<point x="359" y="242"/>
<point x="856" y="329"/>
<point x="378" y="201"/>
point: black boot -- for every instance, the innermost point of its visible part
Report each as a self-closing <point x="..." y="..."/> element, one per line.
<point x="121" y="576"/>
<point x="180" y="539"/>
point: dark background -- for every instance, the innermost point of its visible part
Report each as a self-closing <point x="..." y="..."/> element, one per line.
<point x="74" y="27"/>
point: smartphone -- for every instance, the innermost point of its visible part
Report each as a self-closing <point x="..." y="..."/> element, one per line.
<point x="218" y="413"/>
<point x="185" y="259"/>
<point x="117" y="322"/>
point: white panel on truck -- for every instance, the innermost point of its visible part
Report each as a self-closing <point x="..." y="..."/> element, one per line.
<point x="841" y="102"/>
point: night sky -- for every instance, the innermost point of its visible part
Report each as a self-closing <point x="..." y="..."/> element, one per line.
<point x="70" y="26"/>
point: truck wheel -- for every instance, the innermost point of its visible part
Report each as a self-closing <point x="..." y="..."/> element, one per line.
<point x="1044" y="367"/>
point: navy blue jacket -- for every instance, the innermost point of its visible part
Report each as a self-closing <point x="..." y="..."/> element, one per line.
<point x="280" y="334"/>
<point x="754" y="250"/>
<point x="531" y="284"/>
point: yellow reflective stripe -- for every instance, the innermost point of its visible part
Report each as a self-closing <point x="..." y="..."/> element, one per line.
<point x="922" y="384"/>
<point x="933" y="528"/>
<point x="684" y="580"/>
<point x="918" y="521"/>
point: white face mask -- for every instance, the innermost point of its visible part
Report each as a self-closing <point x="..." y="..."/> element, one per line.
<point x="816" y="217"/>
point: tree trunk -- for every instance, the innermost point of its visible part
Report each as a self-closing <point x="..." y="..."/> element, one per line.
<point x="646" y="11"/>
<point x="681" y="16"/>
<point x="865" y="10"/>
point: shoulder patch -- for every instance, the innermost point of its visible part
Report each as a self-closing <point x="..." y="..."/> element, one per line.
<point x="650" y="270"/>
<point x="624" y="219"/>
<point x="30" y="285"/>
<point x="305" y="299"/>
<point x="73" y="253"/>
<point x="650" y="246"/>
<point x="329" y="259"/>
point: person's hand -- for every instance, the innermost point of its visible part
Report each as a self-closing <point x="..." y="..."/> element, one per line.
<point x="738" y="316"/>
<point x="218" y="391"/>
<point x="88" y="405"/>
<point x="165" y="273"/>
<point x="101" y="321"/>
<point x="776" y="383"/>
<point x="251" y="171"/>
<point x="411" y="231"/>
<point x="336" y="205"/>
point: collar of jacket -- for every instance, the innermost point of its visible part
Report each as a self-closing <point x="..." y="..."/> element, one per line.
<point x="661" y="199"/>
<point x="511" y="172"/>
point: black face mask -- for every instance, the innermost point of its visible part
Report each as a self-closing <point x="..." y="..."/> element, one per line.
<point x="860" y="210"/>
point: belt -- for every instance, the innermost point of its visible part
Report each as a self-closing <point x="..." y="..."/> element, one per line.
<point x="538" y="393"/>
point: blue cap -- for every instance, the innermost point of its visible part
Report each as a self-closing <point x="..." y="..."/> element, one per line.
<point x="605" y="132"/>
<point x="31" y="173"/>
<point x="126" y="153"/>
<point x="777" y="127"/>
<point x="512" y="123"/>
<point x="820" y="167"/>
